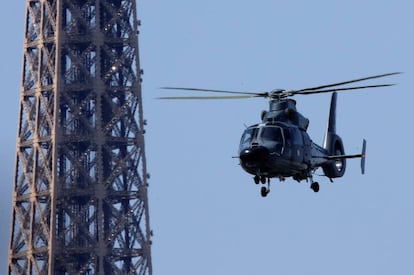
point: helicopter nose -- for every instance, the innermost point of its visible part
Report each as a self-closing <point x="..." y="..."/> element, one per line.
<point x="254" y="154"/>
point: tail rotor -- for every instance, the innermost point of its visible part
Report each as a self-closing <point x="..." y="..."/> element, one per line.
<point x="363" y="155"/>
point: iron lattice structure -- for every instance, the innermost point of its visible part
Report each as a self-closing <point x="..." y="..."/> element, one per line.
<point x="80" y="201"/>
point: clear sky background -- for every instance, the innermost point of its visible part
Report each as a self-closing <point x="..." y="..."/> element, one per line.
<point x="206" y="213"/>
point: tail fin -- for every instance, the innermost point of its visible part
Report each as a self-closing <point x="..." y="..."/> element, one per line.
<point x="331" y="128"/>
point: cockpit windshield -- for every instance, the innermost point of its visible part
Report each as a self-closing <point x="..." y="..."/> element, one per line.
<point x="247" y="138"/>
<point x="266" y="135"/>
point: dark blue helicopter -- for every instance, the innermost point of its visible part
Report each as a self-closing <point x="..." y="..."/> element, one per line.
<point x="280" y="147"/>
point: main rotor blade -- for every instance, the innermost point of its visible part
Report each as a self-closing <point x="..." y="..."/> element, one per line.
<point x="215" y="91"/>
<point x="341" y="89"/>
<point x="347" y="82"/>
<point x="206" y="97"/>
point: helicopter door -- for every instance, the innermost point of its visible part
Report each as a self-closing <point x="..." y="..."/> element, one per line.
<point x="294" y="141"/>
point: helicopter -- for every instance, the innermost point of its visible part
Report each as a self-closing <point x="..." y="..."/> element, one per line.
<point x="279" y="146"/>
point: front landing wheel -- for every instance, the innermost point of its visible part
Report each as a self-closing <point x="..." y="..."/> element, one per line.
<point x="315" y="187"/>
<point x="264" y="191"/>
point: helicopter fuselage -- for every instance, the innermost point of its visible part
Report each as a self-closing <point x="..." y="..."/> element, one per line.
<point x="279" y="150"/>
<point x="280" y="147"/>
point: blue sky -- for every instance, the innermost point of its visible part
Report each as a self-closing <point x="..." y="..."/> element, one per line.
<point x="206" y="213"/>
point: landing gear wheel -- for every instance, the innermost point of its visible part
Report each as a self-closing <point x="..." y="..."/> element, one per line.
<point x="264" y="191"/>
<point x="315" y="187"/>
<point x="263" y="179"/>
<point x="256" y="179"/>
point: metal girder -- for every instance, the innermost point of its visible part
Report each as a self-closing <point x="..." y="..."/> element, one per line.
<point x="80" y="201"/>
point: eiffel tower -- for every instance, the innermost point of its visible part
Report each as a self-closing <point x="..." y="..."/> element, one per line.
<point x="80" y="203"/>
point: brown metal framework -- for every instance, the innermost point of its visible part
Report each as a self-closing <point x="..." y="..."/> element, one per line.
<point x="80" y="201"/>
